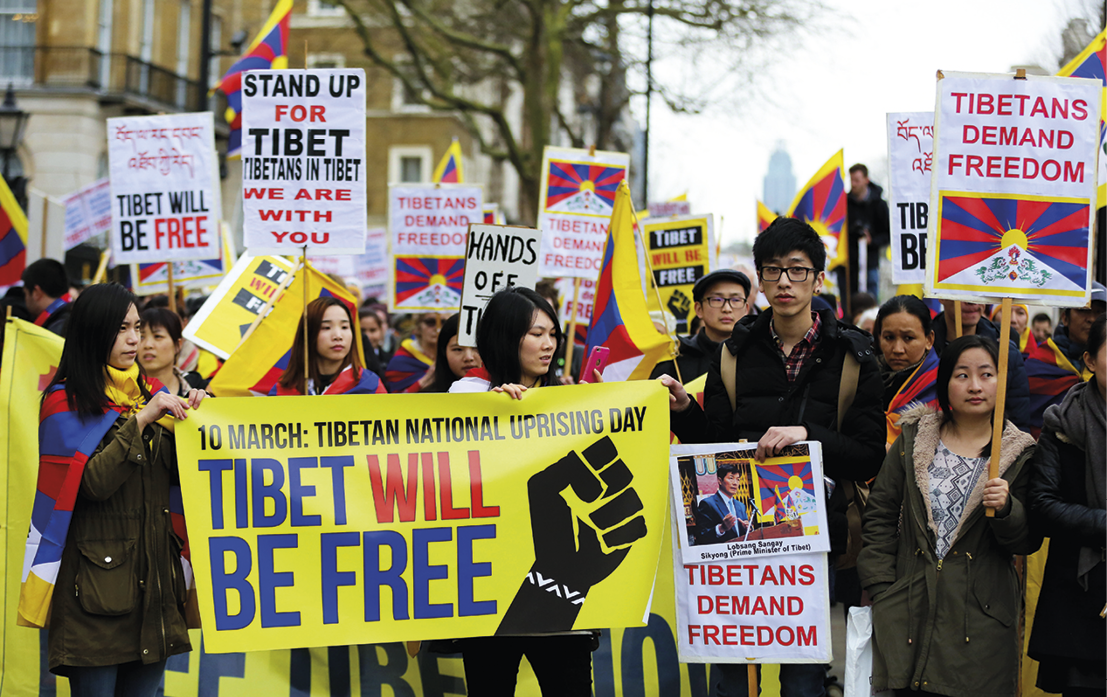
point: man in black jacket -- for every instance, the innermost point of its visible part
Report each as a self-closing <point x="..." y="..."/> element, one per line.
<point x="867" y="215"/>
<point x="46" y="292"/>
<point x="722" y="298"/>
<point x="787" y="383"/>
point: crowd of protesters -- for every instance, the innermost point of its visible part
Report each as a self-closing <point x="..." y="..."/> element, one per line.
<point x="902" y="404"/>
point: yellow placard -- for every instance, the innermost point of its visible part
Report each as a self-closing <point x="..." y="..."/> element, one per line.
<point x="414" y="517"/>
<point x="230" y="310"/>
<point x="680" y="253"/>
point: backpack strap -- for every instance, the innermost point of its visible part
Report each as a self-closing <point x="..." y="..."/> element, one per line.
<point x="847" y="388"/>
<point x="728" y="368"/>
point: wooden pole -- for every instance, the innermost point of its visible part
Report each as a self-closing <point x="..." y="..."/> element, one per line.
<point x="307" y="348"/>
<point x="102" y="269"/>
<point x="958" y="328"/>
<point x="572" y="328"/>
<point x="171" y="290"/>
<point x="1001" y="395"/>
<point x="751" y="674"/>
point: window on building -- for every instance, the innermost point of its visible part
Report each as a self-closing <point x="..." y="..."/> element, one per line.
<point x="103" y="42"/>
<point x="411" y="170"/>
<point x="403" y="98"/>
<point x="17" y="40"/>
<point x="409" y="164"/>
<point x="325" y="8"/>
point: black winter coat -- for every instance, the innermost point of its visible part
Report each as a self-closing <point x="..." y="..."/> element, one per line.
<point x="765" y="399"/>
<point x="1067" y="622"/>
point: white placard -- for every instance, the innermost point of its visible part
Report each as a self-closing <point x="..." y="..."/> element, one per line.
<point x="303" y="161"/>
<point x="910" y="155"/>
<point x="496" y="257"/>
<point x="428" y="227"/>
<point x="164" y="188"/>
<point x="372" y="269"/>
<point x="1013" y="194"/>
<point x="87" y="212"/>
<point x="664" y="209"/>
<point x="575" y="202"/>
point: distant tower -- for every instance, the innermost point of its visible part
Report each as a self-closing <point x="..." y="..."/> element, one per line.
<point x="779" y="182"/>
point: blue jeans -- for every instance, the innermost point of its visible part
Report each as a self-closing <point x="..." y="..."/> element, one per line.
<point x="134" y="679"/>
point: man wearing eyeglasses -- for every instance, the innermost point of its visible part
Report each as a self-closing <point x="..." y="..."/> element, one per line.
<point x="722" y="298"/>
<point x="788" y="376"/>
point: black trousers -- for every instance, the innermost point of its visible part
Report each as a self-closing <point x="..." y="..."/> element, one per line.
<point x="563" y="664"/>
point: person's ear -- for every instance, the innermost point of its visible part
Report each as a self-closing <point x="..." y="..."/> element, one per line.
<point x="930" y="340"/>
<point x="819" y="279"/>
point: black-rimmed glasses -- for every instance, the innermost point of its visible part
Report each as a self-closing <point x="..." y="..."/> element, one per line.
<point x="717" y="302"/>
<point x="796" y="274"/>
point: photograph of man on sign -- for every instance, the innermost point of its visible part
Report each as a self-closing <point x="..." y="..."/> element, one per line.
<point x="722" y="516"/>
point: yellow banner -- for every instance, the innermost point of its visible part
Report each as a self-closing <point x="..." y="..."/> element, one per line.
<point x="424" y="517"/>
<point x="680" y="250"/>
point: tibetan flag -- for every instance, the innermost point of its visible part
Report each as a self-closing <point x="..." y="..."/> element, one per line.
<point x="439" y="278"/>
<point x="257" y="364"/>
<point x="407" y="367"/>
<point x="1050" y="374"/>
<point x="792" y="481"/>
<point x="1092" y="64"/>
<point x="821" y="203"/>
<point x="574" y="187"/>
<point x="268" y="51"/>
<point x="765" y="217"/>
<point x="992" y="242"/>
<point x="449" y="170"/>
<point x="13" y="237"/>
<point x="620" y="320"/>
<point x="921" y="388"/>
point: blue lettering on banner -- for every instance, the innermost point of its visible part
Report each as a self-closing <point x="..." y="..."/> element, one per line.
<point x="222" y="581"/>
<point x="270" y="580"/>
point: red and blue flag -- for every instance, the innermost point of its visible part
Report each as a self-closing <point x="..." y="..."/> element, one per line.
<point x="821" y="203"/>
<point x="921" y="388"/>
<point x="783" y="478"/>
<point x="13" y="237"/>
<point x="441" y="277"/>
<point x="1051" y="374"/>
<point x="1091" y="63"/>
<point x="574" y="187"/>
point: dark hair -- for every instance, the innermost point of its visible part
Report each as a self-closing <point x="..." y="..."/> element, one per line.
<point x="788" y="235"/>
<point x="725" y="469"/>
<point x="93" y="328"/>
<point x="1095" y="335"/>
<point x="904" y="303"/>
<point x="859" y="168"/>
<point x="1042" y="317"/>
<point x="861" y="301"/>
<point x="47" y="274"/>
<point x="443" y="376"/>
<point x="155" y="317"/>
<point x="505" y="322"/>
<point x="950" y="356"/>
<point x="293" y="375"/>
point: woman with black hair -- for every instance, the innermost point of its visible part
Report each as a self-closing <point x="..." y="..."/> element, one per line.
<point x="941" y="576"/>
<point x="518" y="338"/>
<point x="452" y="360"/>
<point x="1068" y="501"/>
<point x="160" y="349"/>
<point x="908" y="363"/>
<point x="334" y="364"/>
<point x="107" y="468"/>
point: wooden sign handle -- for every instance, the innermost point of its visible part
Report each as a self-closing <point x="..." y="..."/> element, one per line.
<point x="572" y="328"/>
<point x="1001" y="395"/>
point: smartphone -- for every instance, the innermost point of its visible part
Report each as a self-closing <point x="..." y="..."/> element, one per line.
<point x="597" y="360"/>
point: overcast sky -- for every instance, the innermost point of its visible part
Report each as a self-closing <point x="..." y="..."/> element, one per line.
<point x="834" y="93"/>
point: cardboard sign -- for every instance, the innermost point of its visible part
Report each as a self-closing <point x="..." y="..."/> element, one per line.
<point x="229" y="311"/>
<point x="87" y="212"/>
<point x="496" y="257"/>
<point x="379" y="518"/>
<point x="679" y="250"/>
<point x="303" y="161"/>
<point x="910" y="156"/>
<point x="1014" y="188"/>
<point x="153" y="278"/>
<point x="577" y="197"/>
<point x="164" y="188"/>
<point x="428" y="224"/>
<point x="735" y="507"/>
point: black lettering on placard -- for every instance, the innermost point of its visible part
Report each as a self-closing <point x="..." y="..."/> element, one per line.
<point x="273" y="273"/>
<point x="132" y="235"/>
<point x="493" y="246"/>
<point x="681" y="237"/>
<point x="248" y="301"/>
<point x="913" y="215"/>
<point x="685" y="275"/>
<point x="912" y="250"/>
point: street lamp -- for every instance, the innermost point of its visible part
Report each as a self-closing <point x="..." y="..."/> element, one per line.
<point x="13" y="121"/>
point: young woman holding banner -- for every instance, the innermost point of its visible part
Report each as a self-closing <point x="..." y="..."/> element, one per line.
<point x="107" y="467"/>
<point x="940" y="574"/>
<point x="518" y="339"/>
<point x="334" y="362"/>
<point x="1068" y="500"/>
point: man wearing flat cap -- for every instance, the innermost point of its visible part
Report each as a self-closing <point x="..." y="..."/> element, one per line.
<point x="722" y="298"/>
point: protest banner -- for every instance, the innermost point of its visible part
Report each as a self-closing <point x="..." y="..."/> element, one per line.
<point x="1014" y="187"/>
<point x="153" y="278"/>
<point x="910" y="155"/>
<point x="87" y="212"/>
<point x="772" y="609"/>
<point x="483" y="515"/>
<point x="373" y="269"/>
<point x="496" y="257"/>
<point x="234" y="304"/>
<point x="164" y="188"/>
<point x="428" y="224"/>
<point x="680" y="249"/>
<point x="303" y="161"/>
<point x="664" y="209"/>
<point x="735" y="507"/>
<point x="576" y="200"/>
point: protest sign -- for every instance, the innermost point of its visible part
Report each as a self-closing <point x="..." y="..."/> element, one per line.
<point x="372" y="269"/>
<point x="679" y="250"/>
<point x="496" y="257"/>
<point x="153" y="278"/>
<point x="773" y="609"/>
<point x="303" y="161"/>
<point x="1014" y="187"/>
<point x="409" y="516"/>
<point x="735" y="507"/>
<point x="576" y="199"/>
<point x="87" y="212"/>
<point x="493" y="215"/>
<point x="229" y="311"/>
<point x="428" y="224"/>
<point x="910" y="154"/>
<point x="164" y="188"/>
<point x="664" y="209"/>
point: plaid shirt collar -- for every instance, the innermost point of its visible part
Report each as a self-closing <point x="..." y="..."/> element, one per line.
<point x="803" y="349"/>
